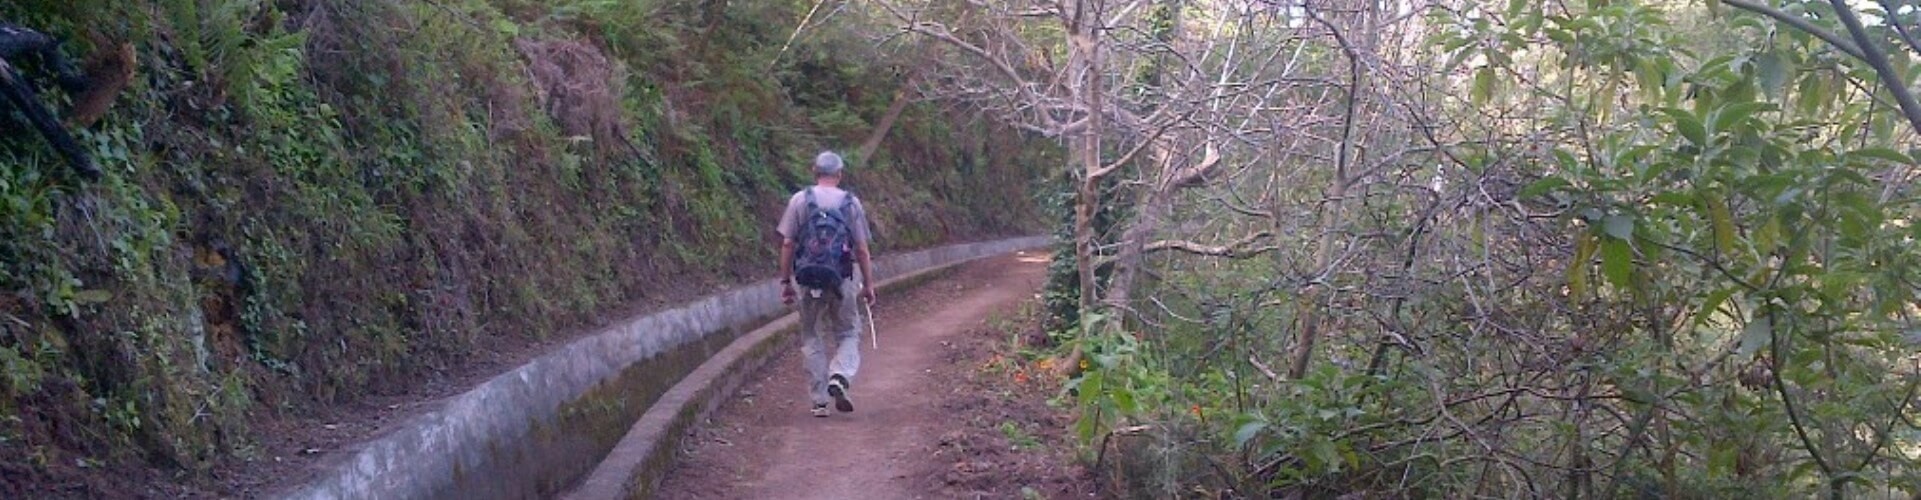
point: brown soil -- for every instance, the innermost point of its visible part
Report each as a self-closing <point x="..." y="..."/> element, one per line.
<point x="939" y="413"/>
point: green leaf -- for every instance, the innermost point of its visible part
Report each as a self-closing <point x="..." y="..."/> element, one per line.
<point x="1803" y="470"/>
<point x="1756" y="335"/>
<point x="1675" y="198"/>
<point x="1631" y="155"/>
<point x="1842" y="177"/>
<point x="1543" y="186"/>
<point x="1124" y="400"/>
<point x="1723" y="222"/>
<point x="1811" y="94"/>
<point x="1090" y="388"/>
<point x="1460" y="56"/>
<point x="1648" y="75"/>
<point x="1773" y="72"/>
<point x="1484" y="84"/>
<point x="1638" y="395"/>
<point x="91" y="297"/>
<point x="1086" y="427"/>
<point x="1621" y="227"/>
<point x="1617" y="262"/>
<point x="1736" y="113"/>
<point x="1577" y="270"/>
<point x="1688" y="125"/>
<point x="1566" y="160"/>
<point x="1882" y="154"/>
<point x="1248" y="431"/>
<point x="1655" y="171"/>
<point x="1712" y="305"/>
<point x="506" y="27"/>
<point x="1324" y="454"/>
<point x="1789" y="195"/>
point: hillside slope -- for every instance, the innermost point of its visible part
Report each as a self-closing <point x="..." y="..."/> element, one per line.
<point x="307" y="203"/>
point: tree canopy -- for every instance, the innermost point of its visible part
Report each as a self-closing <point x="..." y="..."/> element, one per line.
<point x="1474" y="247"/>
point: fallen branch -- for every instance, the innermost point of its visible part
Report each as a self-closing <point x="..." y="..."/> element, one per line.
<point x="1265" y="370"/>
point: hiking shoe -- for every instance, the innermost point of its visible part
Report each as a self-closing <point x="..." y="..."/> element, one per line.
<point x="837" y="387"/>
<point x="820" y="410"/>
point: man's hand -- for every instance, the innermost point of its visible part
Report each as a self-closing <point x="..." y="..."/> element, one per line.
<point x="787" y="294"/>
<point x="867" y="293"/>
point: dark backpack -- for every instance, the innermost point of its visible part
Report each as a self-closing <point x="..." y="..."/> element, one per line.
<point x="824" y="256"/>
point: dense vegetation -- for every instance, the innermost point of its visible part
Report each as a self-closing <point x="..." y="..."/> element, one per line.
<point x="310" y="201"/>
<point x="1432" y="248"/>
<point x="1476" y="248"/>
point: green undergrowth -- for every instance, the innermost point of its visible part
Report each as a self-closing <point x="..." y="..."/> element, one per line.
<point x="309" y="202"/>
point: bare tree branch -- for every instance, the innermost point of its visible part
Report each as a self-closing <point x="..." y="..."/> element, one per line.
<point x="1801" y="24"/>
<point x="1879" y="60"/>
<point x="1159" y="131"/>
<point x="1193" y="174"/>
<point x="1900" y="28"/>
<point x="1241" y="249"/>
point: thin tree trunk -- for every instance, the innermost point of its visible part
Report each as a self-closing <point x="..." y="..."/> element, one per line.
<point x="1154" y="203"/>
<point x="902" y="98"/>
<point x="1086" y="200"/>
<point x="1312" y="316"/>
<point x="1152" y="206"/>
<point x="1084" y="33"/>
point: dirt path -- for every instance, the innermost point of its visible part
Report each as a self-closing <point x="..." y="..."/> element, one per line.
<point x="763" y="443"/>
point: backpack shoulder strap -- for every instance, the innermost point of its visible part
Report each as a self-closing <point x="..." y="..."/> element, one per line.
<point x="811" y="206"/>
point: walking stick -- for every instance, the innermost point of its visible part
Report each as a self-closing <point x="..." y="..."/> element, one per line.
<point x="871" y="329"/>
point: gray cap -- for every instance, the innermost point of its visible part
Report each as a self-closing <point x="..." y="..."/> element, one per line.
<point x="827" y="163"/>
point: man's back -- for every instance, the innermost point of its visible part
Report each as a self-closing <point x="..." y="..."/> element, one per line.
<point x="826" y="197"/>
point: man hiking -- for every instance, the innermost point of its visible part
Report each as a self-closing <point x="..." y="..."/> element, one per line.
<point x="823" y="236"/>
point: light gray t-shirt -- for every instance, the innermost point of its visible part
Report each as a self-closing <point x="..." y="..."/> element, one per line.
<point x="827" y="198"/>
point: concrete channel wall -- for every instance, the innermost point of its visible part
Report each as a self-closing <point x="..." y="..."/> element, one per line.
<point x="536" y="430"/>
